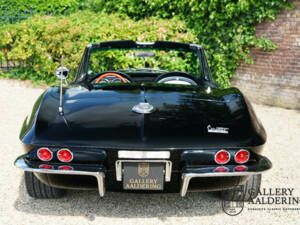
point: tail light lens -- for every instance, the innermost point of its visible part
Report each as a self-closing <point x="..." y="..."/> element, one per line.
<point x="44" y="154"/>
<point x="240" y="168"/>
<point x="45" y="166"/>
<point x="65" y="168"/>
<point x="242" y="156"/>
<point x="221" y="169"/>
<point x="65" y="155"/>
<point x="222" y="157"/>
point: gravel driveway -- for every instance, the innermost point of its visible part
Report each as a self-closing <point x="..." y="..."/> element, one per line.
<point x="86" y="207"/>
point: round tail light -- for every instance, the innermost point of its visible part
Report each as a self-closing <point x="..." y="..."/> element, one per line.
<point x="65" y="167"/>
<point x="240" y="168"/>
<point x="242" y="156"/>
<point x="64" y="155"/>
<point x="221" y="169"/>
<point x="222" y="157"/>
<point x="44" y="154"/>
<point x="45" y="166"/>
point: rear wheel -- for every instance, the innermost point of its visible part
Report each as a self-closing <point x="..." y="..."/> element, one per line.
<point x="37" y="189"/>
<point x="245" y="192"/>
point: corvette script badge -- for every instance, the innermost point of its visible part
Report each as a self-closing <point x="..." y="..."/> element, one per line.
<point x="222" y="130"/>
<point x="143" y="107"/>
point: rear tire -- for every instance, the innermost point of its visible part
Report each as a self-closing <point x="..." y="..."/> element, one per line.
<point x="37" y="189"/>
<point x="245" y="192"/>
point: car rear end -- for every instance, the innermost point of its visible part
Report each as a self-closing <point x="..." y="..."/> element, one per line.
<point x="192" y="140"/>
<point x="173" y="170"/>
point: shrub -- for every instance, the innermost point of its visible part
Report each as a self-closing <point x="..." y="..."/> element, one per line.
<point x="38" y="5"/>
<point x="225" y="28"/>
<point x="13" y="11"/>
<point x="41" y="41"/>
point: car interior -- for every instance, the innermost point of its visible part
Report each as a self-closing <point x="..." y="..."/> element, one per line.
<point x="158" y="77"/>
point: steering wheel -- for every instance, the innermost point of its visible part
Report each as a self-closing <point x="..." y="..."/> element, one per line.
<point x="109" y="74"/>
<point x="177" y="78"/>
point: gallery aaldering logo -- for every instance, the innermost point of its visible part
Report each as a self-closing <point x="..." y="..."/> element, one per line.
<point x="265" y="199"/>
<point x="231" y="207"/>
<point x="143" y="169"/>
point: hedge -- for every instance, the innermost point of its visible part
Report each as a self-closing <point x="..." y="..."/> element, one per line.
<point x="14" y="11"/>
<point x="41" y="41"/>
<point x="15" y="6"/>
<point x="225" y="28"/>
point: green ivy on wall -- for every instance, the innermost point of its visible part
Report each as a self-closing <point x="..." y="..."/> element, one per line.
<point x="225" y="28"/>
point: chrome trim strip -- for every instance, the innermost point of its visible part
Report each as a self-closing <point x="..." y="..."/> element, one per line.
<point x="144" y="43"/>
<point x="144" y="154"/>
<point x="186" y="177"/>
<point x="20" y="163"/>
<point x="195" y="45"/>
<point x="168" y="168"/>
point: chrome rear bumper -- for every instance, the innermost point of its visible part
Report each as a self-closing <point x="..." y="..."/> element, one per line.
<point x="20" y="163"/>
<point x="259" y="167"/>
<point x="186" y="177"/>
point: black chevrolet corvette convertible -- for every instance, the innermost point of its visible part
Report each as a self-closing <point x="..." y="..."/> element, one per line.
<point x="142" y="117"/>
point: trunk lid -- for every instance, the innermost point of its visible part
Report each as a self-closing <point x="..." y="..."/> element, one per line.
<point x="181" y="119"/>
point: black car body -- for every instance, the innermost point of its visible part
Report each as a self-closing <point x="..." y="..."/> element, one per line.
<point x="143" y="134"/>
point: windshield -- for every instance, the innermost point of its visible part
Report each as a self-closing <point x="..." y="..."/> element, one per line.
<point x="143" y="60"/>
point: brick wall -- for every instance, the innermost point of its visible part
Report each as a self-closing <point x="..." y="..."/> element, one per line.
<point x="274" y="77"/>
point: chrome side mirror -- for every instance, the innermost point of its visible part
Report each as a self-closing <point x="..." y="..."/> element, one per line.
<point x="62" y="72"/>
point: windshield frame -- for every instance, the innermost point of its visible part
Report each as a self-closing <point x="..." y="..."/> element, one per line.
<point x="82" y="72"/>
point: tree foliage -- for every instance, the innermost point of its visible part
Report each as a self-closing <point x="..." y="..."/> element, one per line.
<point x="225" y="28"/>
<point x="41" y="41"/>
<point x="17" y="6"/>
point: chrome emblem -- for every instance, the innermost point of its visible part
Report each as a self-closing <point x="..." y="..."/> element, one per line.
<point x="143" y="169"/>
<point x="143" y="107"/>
<point x="221" y="130"/>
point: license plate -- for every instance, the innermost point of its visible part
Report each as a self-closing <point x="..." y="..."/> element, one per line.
<point x="143" y="176"/>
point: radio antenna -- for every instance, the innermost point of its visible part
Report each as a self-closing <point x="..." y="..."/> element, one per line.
<point x="60" y="108"/>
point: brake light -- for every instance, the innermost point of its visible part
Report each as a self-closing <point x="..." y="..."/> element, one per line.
<point x="44" y="154"/>
<point x="222" y="157"/>
<point x="242" y="156"/>
<point x="221" y="169"/>
<point x="65" y="155"/>
<point x="65" y="168"/>
<point x="45" y="166"/>
<point x="240" y="168"/>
